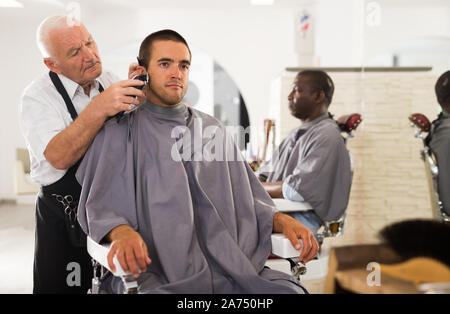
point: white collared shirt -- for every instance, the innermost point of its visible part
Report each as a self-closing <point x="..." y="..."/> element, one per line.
<point x="43" y="114"/>
<point x="290" y="193"/>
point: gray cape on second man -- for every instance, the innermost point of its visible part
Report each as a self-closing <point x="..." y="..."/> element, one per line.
<point x="207" y="224"/>
<point x="314" y="161"/>
<point x="440" y="145"/>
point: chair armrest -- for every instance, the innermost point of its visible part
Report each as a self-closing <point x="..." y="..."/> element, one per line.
<point x="99" y="252"/>
<point x="284" y="205"/>
<point x="282" y="246"/>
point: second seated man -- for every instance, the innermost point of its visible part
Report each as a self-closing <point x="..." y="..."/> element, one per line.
<point x="312" y="163"/>
<point x="439" y="139"/>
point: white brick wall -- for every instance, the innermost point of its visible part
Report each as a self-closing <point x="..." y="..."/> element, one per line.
<point x="389" y="181"/>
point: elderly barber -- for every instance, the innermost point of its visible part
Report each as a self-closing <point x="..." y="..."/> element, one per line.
<point x="60" y="114"/>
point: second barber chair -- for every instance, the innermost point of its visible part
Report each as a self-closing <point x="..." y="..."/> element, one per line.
<point x="423" y="126"/>
<point x="281" y="247"/>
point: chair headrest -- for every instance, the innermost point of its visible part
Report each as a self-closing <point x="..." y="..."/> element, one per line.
<point x="421" y="121"/>
<point x="349" y="122"/>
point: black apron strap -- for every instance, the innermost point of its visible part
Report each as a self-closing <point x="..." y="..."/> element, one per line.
<point x="62" y="91"/>
<point x="67" y="180"/>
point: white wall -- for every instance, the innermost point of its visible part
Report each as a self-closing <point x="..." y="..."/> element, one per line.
<point x="344" y="38"/>
<point x="253" y="44"/>
<point x="19" y="63"/>
<point x="339" y="32"/>
<point x="399" y="26"/>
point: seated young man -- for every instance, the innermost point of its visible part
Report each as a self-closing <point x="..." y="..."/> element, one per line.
<point x="169" y="189"/>
<point x="439" y="139"/>
<point x="312" y="163"/>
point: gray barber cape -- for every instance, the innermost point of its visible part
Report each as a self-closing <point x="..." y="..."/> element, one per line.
<point x="440" y="145"/>
<point x="314" y="161"/>
<point x="207" y="224"/>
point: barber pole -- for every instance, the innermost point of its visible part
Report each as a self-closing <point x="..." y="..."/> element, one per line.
<point x="304" y="24"/>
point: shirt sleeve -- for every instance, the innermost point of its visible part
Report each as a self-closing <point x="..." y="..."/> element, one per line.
<point x="291" y="194"/>
<point x="39" y="122"/>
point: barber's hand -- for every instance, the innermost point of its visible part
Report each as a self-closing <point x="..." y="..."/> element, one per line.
<point x="118" y="97"/>
<point x="295" y="230"/>
<point x="130" y="250"/>
<point x="133" y="70"/>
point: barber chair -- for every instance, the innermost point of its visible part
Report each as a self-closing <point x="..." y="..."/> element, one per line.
<point x="423" y="126"/>
<point x="22" y="182"/>
<point x="281" y="246"/>
<point x="347" y="124"/>
<point x="99" y="253"/>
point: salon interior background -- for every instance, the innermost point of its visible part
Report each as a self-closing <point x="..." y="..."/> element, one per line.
<point x="252" y="44"/>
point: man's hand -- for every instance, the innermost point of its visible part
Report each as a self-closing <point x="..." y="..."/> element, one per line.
<point x="275" y="189"/>
<point x="130" y="249"/>
<point x="134" y="70"/>
<point x="118" y="97"/>
<point x="69" y="145"/>
<point x="295" y="230"/>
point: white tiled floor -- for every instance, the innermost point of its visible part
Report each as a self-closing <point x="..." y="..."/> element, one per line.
<point x="16" y="248"/>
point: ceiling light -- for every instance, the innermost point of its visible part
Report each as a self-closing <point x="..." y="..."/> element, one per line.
<point x="261" y="2"/>
<point x="10" y="4"/>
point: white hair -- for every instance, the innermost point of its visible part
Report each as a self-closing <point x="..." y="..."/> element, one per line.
<point x="45" y="28"/>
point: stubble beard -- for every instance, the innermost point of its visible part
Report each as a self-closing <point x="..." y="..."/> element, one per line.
<point x="165" y="98"/>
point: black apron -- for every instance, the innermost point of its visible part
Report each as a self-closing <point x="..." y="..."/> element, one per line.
<point x="61" y="261"/>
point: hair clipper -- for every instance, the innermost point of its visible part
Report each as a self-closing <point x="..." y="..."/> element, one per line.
<point x="143" y="78"/>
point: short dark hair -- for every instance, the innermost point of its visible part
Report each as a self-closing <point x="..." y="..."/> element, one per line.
<point x="442" y="89"/>
<point x="320" y="81"/>
<point x="146" y="45"/>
